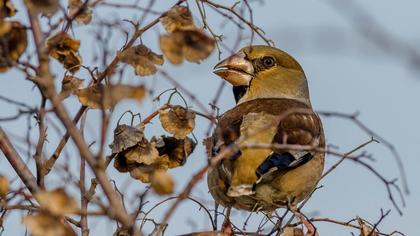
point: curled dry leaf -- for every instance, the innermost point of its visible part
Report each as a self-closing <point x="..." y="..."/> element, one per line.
<point x="142" y="59"/>
<point x="45" y="7"/>
<point x="143" y="153"/>
<point x="13" y="43"/>
<point x="162" y="182"/>
<point x="7" y="9"/>
<point x="57" y="202"/>
<point x="4" y="186"/>
<point x="143" y="173"/>
<point x="84" y="15"/>
<point x="65" y="49"/>
<point x="174" y="152"/>
<point x="69" y="85"/>
<point x="193" y="45"/>
<point x="177" y="18"/>
<point x="125" y="137"/>
<point x="47" y="225"/>
<point x="100" y="96"/>
<point x="178" y="121"/>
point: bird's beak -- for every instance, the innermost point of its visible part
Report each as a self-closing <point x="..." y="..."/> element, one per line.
<point x="235" y="69"/>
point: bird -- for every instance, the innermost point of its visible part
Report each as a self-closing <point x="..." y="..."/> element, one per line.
<point x="275" y="140"/>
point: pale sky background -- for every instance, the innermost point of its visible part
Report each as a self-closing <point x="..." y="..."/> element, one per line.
<point x="346" y="73"/>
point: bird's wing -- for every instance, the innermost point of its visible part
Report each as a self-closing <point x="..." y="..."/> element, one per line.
<point x="298" y="124"/>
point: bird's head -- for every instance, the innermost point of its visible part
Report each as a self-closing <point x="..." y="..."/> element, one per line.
<point x="264" y="72"/>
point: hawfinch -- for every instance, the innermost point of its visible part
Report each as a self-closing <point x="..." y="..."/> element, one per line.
<point x="273" y="107"/>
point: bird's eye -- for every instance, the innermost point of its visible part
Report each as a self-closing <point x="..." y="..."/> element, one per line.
<point x="268" y="62"/>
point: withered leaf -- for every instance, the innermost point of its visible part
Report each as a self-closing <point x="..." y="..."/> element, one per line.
<point x="7" y="9"/>
<point x="13" y="43"/>
<point x="178" y="121"/>
<point x="57" y="202"/>
<point x="47" y="225"/>
<point x="177" y="18"/>
<point x="174" y="152"/>
<point x="143" y="173"/>
<point x="100" y="96"/>
<point x="125" y="137"/>
<point x="4" y="186"/>
<point x="193" y="45"/>
<point x="69" y="85"/>
<point x="65" y="49"/>
<point x="292" y="231"/>
<point x="142" y="59"/>
<point x="366" y="229"/>
<point x="84" y="16"/>
<point x="162" y="182"/>
<point x="45" y="7"/>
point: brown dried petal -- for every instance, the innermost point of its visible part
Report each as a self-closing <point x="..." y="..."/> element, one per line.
<point x="69" y="85"/>
<point x="177" y="121"/>
<point x="43" y="6"/>
<point x="162" y="182"/>
<point x="47" y="225"/>
<point x="142" y="59"/>
<point x="125" y="137"/>
<point x="4" y="186"/>
<point x="193" y="45"/>
<point x="144" y="153"/>
<point x="7" y="9"/>
<point x="292" y="231"/>
<point x="13" y="43"/>
<point x="106" y="96"/>
<point x="366" y="229"/>
<point x="143" y="173"/>
<point x="61" y="43"/>
<point x="175" y="151"/>
<point x="57" y="202"/>
<point x="85" y="16"/>
<point x="177" y="18"/>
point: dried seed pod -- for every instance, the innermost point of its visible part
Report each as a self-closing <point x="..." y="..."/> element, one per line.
<point x="144" y="173"/>
<point x="65" y="49"/>
<point x="13" y="43"/>
<point x="143" y="153"/>
<point x="162" y="182"/>
<point x="43" y="224"/>
<point x="100" y="96"/>
<point x="85" y="16"/>
<point x="4" y="186"/>
<point x="7" y="9"/>
<point x="177" y="18"/>
<point x="292" y="231"/>
<point x="125" y="137"/>
<point x="142" y="59"/>
<point x="57" y="202"/>
<point x="45" y="7"/>
<point x="69" y="85"/>
<point x="174" y="152"/>
<point x="178" y="121"/>
<point x="193" y="45"/>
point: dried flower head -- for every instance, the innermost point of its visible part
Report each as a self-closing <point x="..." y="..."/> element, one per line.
<point x="143" y="173"/>
<point x="162" y="182"/>
<point x="100" y="96"/>
<point x="57" y="202"/>
<point x="7" y="9"/>
<point x="13" y="43"/>
<point x="65" y="49"/>
<point x="45" y="7"/>
<point x="174" y="152"/>
<point x="43" y="224"/>
<point x="4" y="186"/>
<point x="84" y="15"/>
<point x="69" y="85"/>
<point x="193" y="45"/>
<point x="142" y="59"/>
<point x="177" y="18"/>
<point x="144" y="152"/>
<point x="178" y="121"/>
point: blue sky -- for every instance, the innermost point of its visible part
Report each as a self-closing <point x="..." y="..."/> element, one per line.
<point x="346" y="73"/>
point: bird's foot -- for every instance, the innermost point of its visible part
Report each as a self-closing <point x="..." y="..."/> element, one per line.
<point x="227" y="226"/>
<point x="308" y="225"/>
